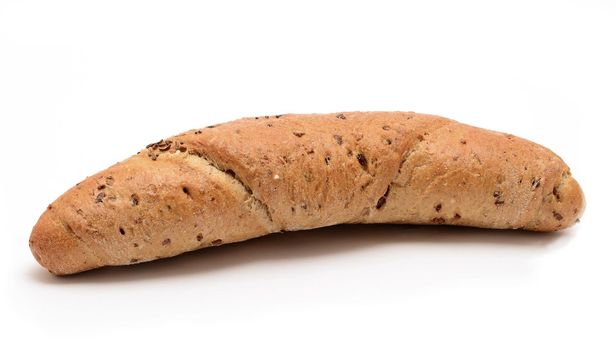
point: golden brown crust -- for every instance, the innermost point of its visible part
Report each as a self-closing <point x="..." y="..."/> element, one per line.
<point x="254" y="176"/>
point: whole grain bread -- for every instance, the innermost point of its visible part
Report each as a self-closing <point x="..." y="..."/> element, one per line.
<point x="250" y="177"/>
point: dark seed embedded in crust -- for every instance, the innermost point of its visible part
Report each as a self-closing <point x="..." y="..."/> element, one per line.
<point x="438" y="207"/>
<point x="299" y="133"/>
<point x="556" y="193"/>
<point x="362" y="160"/>
<point x="557" y="216"/>
<point x="101" y="187"/>
<point x="338" y="139"/>
<point x="381" y="202"/>
<point x="463" y="141"/>
<point x="216" y="242"/>
<point x="99" y="198"/>
<point x="122" y="232"/>
<point x="457" y="216"/>
<point x="134" y="199"/>
<point x="164" y="147"/>
<point x="132" y="261"/>
<point x="166" y="241"/>
<point x="498" y="198"/>
<point x="438" y="221"/>
<point x="199" y="237"/>
<point x="327" y="159"/>
<point x="154" y="145"/>
<point x="341" y="116"/>
<point x="535" y="183"/>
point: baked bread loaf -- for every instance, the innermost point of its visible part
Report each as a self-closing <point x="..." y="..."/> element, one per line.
<point x="250" y="177"/>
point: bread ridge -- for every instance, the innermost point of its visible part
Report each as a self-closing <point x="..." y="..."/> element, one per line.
<point x="253" y="176"/>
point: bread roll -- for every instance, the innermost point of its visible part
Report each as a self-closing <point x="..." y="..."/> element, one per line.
<point x="254" y="176"/>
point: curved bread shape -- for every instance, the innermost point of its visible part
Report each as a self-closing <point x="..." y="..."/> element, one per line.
<point x="254" y="176"/>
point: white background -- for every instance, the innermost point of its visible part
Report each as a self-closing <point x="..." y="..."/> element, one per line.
<point x="85" y="84"/>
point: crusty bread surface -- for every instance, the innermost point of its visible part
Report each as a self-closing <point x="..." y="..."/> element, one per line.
<point x="250" y="177"/>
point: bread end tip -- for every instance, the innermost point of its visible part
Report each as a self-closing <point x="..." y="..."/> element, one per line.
<point x="56" y="249"/>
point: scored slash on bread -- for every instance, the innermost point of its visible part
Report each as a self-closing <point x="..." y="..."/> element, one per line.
<point x="254" y="176"/>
